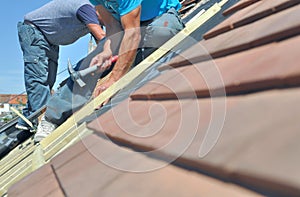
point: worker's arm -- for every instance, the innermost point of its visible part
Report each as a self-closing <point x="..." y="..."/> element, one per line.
<point x="129" y="43"/>
<point x="91" y="18"/>
<point x="114" y="30"/>
<point x="128" y="47"/>
<point x="96" y="31"/>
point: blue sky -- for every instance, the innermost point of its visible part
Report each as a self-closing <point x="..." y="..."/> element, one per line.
<point x="11" y="63"/>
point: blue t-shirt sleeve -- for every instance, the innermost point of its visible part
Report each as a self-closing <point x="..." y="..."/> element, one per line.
<point x="118" y="8"/>
<point x="126" y="6"/>
<point x="87" y="14"/>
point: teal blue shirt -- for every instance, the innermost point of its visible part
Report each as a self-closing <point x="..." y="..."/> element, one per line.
<point x="150" y="8"/>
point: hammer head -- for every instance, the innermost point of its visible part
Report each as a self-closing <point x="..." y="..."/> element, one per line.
<point x="75" y="75"/>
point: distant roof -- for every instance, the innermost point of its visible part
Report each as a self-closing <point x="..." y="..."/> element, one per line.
<point x="13" y="98"/>
<point x="18" y="99"/>
<point x="4" y="98"/>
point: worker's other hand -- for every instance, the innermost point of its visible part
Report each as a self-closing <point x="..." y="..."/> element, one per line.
<point x="101" y="88"/>
<point x="103" y="60"/>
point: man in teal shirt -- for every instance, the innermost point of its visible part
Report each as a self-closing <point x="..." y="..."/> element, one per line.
<point x="152" y="8"/>
<point x="159" y="21"/>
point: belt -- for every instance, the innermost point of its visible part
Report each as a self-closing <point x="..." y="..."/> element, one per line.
<point x="30" y="24"/>
<point x="27" y="22"/>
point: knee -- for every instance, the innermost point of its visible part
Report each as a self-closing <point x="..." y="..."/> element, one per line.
<point x="156" y="36"/>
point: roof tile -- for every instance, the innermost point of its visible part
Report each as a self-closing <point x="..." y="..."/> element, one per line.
<point x="92" y="174"/>
<point x="238" y="6"/>
<point x="227" y="25"/>
<point x="41" y="182"/>
<point x="257" y="69"/>
<point x="235" y="150"/>
<point x="250" y="14"/>
<point x="276" y="27"/>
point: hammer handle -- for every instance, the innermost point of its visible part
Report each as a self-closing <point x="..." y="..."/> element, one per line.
<point x="88" y="70"/>
<point x="95" y="67"/>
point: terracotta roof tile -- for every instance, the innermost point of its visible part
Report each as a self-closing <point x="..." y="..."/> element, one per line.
<point x="227" y="24"/>
<point x="90" y="174"/>
<point x="140" y="120"/>
<point x="154" y="83"/>
<point x="249" y="119"/>
<point x="238" y="6"/>
<point x="265" y="9"/>
<point x="257" y="69"/>
<point x="186" y="184"/>
<point x="41" y="182"/>
<point x="74" y="151"/>
<point x="270" y="29"/>
<point x="250" y="14"/>
<point x="254" y="146"/>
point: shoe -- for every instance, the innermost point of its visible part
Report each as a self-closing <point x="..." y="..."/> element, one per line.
<point x="44" y="129"/>
<point x="22" y="127"/>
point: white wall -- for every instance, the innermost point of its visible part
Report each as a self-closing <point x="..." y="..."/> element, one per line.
<point x="4" y="108"/>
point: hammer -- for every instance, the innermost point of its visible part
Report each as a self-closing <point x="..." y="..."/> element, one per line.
<point x="78" y="75"/>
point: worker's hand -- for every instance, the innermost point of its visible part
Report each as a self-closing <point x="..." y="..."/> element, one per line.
<point x="102" y="87"/>
<point x="104" y="66"/>
<point x="103" y="60"/>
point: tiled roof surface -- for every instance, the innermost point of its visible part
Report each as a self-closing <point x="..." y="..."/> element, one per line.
<point x="251" y="70"/>
<point x="238" y="6"/>
<point x="80" y="172"/>
<point x="221" y="119"/>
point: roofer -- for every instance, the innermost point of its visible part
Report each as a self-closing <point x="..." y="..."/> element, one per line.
<point x="59" y="22"/>
<point x="147" y="24"/>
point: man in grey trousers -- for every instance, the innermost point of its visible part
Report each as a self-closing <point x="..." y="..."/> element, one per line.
<point x="59" y="22"/>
